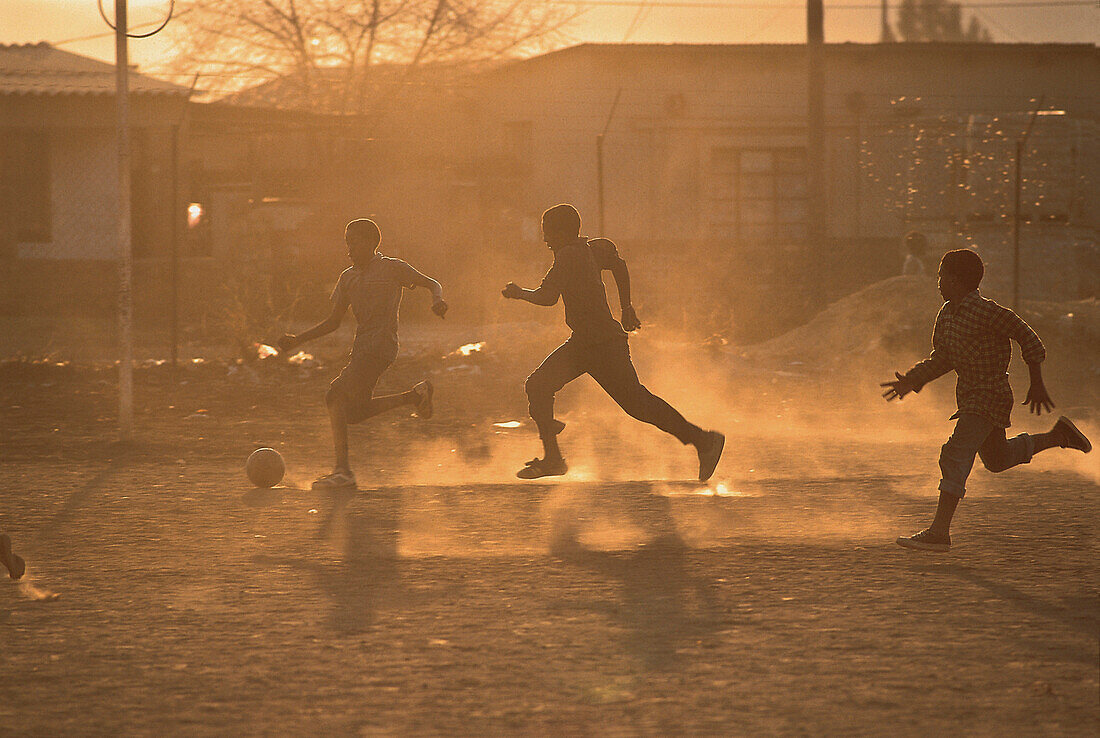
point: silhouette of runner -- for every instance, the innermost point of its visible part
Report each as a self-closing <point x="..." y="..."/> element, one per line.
<point x="971" y="337"/>
<point x="598" y="346"/>
<point x="372" y="287"/>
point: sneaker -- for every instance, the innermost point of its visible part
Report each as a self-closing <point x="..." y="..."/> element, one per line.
<point x="12" y="562"/>
<point x="424" y="406"/>
<point x="927" y="540"/>
<point x="1072" y="437"/>
<point x="339" y="479"/>
<point x="710" y="451"/>
<point x="536" y="468"/>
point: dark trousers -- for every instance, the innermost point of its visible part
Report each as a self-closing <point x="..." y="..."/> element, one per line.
<point x="975" y="434"/>
<point x="610" y="365"/>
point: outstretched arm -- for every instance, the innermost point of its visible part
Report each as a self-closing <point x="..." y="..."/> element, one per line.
<point x="289" y="342"/>
<point x="544" y="295"/>
<point x="923" y="372"/>
<point x="439" y="305"/>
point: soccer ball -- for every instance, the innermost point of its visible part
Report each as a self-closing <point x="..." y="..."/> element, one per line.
<point x="265" y="467"/>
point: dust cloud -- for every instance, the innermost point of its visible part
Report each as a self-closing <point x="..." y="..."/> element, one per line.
<point x="803" y="414"/>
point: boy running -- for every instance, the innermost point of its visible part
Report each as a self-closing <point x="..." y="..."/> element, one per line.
<point x="598" y="346"/>
<point x="372" y="288"/>
<point x="971" y="337"/>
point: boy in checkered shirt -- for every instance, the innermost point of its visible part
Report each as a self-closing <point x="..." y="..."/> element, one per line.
<point x="972" y="337"/>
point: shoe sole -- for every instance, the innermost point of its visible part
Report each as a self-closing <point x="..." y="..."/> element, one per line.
<point x="918" y="546"/>
<point x="561" y="473"/>
<point x="1086" y="444"/>
<point x="705" y="473"/>
<point x="323" y="487"/>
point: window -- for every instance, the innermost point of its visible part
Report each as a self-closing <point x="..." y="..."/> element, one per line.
<point x="24" y="187"/>
<point x="757" y="195"/>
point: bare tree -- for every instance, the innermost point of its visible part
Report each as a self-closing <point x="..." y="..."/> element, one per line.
<point x="334" y="51"/>
<point x="938" y="20"/>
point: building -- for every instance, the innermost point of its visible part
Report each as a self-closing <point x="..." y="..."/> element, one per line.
<point x="59" y="174"/>
<point x="59" y="154"/>
<point x="704" y="151"/>
<point x="244" y="180"/>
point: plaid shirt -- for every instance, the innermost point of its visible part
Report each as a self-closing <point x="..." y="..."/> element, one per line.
<point x="972" y="337"/>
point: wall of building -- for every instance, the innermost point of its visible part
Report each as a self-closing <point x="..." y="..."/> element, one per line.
<point x="83" y="196"/>
<point x="677" y="105"/>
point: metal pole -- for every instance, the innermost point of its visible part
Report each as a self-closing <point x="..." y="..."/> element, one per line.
<point x="1016" y="228"/>
<point x="599" y="180"/>
<point x="178" y="213"/>
<point x="174" y="264"/>
<point x="815" y="131"/>
<point x="599" y="159"/>
<point x="1020" y="144"/>
<point x="125" y="256"/>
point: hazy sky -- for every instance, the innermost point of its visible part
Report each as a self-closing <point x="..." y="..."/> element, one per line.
<point x="24" y="21"/>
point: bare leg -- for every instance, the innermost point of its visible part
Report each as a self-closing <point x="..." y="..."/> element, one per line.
<point x="558" y="369"/>
<point x="10" y="560"/>
<point x="550" y="449"/>
<point x="945" y="511"/>
<point x="338" y="417"/>
<point x="613" y="370"/>
<point x="384" y="403"/>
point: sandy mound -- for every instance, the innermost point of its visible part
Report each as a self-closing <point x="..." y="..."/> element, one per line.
<point x="895" y="315"/>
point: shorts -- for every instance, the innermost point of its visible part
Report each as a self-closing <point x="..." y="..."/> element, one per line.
<point x="356" y="383"/>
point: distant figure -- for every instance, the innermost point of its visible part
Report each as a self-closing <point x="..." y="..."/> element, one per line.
<point x="971" y="337"/>
<point x="598" y="346"/>
<point x="12" y="562"/>
<point x="372" y="288"/>
<point x="916" y="246"/>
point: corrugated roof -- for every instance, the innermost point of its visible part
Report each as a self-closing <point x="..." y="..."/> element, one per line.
<point x="41" y="69"/>
<point x="332" y="90"/>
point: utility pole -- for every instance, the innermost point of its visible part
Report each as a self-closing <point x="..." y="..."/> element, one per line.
<point x="174" y="257"/>
<point x="599" y="161"/>
<point x="178" y="213"/>
<point x="815" y="132"/>
<point x="125" y="255"/>
<point x="1021" y="143"/>
<point x="885" y="35"/>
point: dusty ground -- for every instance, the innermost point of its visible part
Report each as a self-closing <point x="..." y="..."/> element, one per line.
<point x="164" y="595"/>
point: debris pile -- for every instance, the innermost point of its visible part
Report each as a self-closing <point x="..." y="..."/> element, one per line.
<point x="895" y="315"/>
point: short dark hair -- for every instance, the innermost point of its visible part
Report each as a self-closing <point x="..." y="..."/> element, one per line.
<point x="562" y="218"/>
<point x="362" y="235"/>
<point x="966" y="265"/>
<point x="916" y="242"/>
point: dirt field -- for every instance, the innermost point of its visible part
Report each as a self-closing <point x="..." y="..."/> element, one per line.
<point x="164" y="595"/>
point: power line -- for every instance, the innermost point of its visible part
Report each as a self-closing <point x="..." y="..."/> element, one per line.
<point x="767" y="24"/>
<point x="643" y="7"/>
<point x="104" y="34"/>
<point x="711" y="4"/>
<point x="715" y="4"/>
<point x="160" y="27"/>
